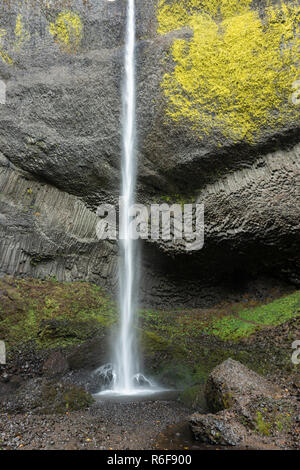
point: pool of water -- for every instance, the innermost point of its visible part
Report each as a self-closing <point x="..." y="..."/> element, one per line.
<point x="139" y="396"/>
<point x="180" y="437"/>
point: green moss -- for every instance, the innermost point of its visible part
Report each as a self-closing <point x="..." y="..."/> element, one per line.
<point x="198" y="340"/>
<point x="274" y="313"/>
<point x="61" y="398"/>
<point x="64" y="313"/>
<point x="152" y="342"/>
<point x="231" y="328"/>
<point x="181" y="199"/>
<point x="247" y="321"/>
<point x="283" y="422"/>
<point x="180" y="347"/>
<point x="52" y="314"/>
<point x="232" y="324"/>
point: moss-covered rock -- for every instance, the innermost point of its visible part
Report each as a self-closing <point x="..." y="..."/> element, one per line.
<point x="216" y="76"/>
<point x="231" y="383"/>
<point x="49" y="314"/>
<point x="61" y="398"/>
<point x="44" y="396"/>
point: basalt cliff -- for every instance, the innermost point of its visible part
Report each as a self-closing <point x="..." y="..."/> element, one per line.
<point x="216" y="124"/>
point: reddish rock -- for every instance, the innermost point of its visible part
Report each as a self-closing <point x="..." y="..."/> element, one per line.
<point x="56" y="364"/>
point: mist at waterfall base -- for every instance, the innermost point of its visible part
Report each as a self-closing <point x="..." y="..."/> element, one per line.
<point x="123" y="377"/>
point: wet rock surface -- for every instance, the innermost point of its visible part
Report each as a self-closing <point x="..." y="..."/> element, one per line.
<point x="219" y="430"/>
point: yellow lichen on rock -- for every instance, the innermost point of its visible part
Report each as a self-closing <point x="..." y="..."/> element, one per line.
<point x="67" y="30"/>
<point x="175" y="14"/>
<point x="236" y="73"/>
<point x="21" y="34"/>
<point x="4" y="56"/>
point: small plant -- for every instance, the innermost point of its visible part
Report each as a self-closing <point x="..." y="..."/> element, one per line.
<point x="283" y="422"/>
<point x="261" y="426"/>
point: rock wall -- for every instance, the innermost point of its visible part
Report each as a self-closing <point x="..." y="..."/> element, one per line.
<point x="45" y="232"/>
<point x="62" y="65"/>
<point x="249" y="215"/>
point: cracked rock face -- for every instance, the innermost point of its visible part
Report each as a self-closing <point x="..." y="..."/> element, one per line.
<point x="47" y="232"/>
<point x="60" y="134"/>
<point x="250" y="214"/>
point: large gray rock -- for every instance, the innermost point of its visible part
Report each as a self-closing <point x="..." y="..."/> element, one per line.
<point x="55" y="365"/>
<point x="231" y="383"/>
<point x="221" y="429"/>
<point x="246" y="409"/>
<point x="63" y="104"/>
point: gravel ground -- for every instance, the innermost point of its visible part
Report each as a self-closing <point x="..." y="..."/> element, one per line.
<point x="104" y="426"/>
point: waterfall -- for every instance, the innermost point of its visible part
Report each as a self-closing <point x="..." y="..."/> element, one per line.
<point x="126" y="364"/>
<point x="122" y="377"/>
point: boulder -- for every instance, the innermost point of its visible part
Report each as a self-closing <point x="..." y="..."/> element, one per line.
<point x="44" y="396"/>
<point x="56" y="364"/>
<point x="220" y="429"/>
<point x="246" y="410"/>
<point x="231" y="383"/>
<point x="89" y="355"/>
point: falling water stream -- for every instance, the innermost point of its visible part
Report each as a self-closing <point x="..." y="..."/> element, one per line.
<point x="126" y="356"/>
<point x="123" y="377"/>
